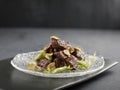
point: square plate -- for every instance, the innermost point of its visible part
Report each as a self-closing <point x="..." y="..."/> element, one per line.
<point x="13" y="79"/>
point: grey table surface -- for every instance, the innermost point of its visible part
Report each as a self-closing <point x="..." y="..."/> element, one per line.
<point x="104" y="42"/>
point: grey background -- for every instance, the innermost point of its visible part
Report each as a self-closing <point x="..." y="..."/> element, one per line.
<point x="104" y="14"/>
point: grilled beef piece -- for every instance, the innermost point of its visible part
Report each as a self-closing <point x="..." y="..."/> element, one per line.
<point x="43" y="63"/>
<point x="59" y="63"/>
<point x="79" y="54"/>
<point x="71" y="61"/>
<point x="62" y="59"/>
<point x="60" y="55"/>
<point x="57" y="43"/>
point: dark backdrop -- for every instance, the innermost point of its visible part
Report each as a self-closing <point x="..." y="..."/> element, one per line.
<point x="60" y="13"/>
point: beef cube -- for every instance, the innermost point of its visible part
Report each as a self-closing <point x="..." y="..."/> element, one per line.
<point x="58" y="43"/>
<point x="43" y="63"/>
<point x="60" y="55"/>
<point x="71" y="61"/>
<point x="54" y="43"/>
<point x="62" y="44"/>
<point x="59" y="63"/>
<point x="79" y="54"/>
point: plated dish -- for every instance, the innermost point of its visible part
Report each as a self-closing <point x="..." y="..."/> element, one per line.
<point x="58" y="59"/>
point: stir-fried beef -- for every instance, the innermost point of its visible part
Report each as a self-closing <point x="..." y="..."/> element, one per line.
<point x="59" y="62"/>
<point x="43" y="63"/>
<point x="71" y="61"/>
<point x="57" y="43"/>
<point x="60" y="55"/>
<point x="63" y="53"/>
<point x="79" y="54"/>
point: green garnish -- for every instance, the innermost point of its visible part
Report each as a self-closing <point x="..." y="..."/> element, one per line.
<point x="48" y="56"/>
<point x="61" y="69"/>
<point x="43" y="54"/>
<point x="40" y="55"/>
<point x="83" y="64"/>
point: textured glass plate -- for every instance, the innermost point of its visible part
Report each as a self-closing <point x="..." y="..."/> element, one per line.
<point x="21" y="61"/>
